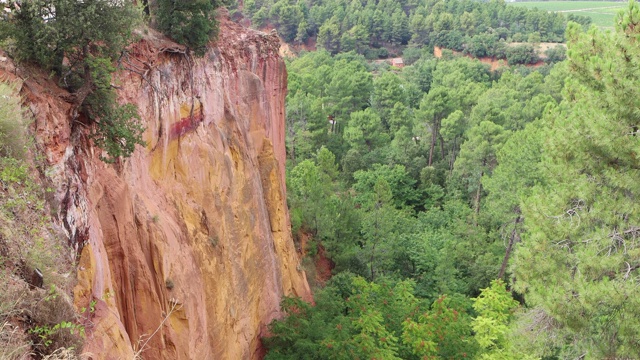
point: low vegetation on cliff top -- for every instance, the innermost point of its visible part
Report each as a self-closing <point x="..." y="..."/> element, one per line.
<point x="79" y="42"/>
<point x="191" y="23"/>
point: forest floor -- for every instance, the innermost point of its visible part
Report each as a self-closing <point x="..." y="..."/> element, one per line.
<point x="494" y="63"/>
<point x="318" y="267"/>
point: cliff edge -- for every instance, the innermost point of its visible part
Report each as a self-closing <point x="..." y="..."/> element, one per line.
<point x="185" y="248"/>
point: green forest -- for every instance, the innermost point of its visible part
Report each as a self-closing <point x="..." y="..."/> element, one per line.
<point x="377" y="29"/>
<point x="466" y="213"/>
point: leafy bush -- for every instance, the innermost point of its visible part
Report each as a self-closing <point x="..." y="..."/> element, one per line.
<point x="78" y="41"/>
<point x="555" y="54"/>
<point x="522" y="54"/>
<point x="189" y="22"/>
<point x="48" y="31"/>
<point x="412" y="54"/>
<point x="583" y="20"/>
<point x="482" y="45"/>
<point x="118" y="128"/>
<point x="495" y="307"/>
<point x="373" y="54"/>
<point x="54" y="324"/>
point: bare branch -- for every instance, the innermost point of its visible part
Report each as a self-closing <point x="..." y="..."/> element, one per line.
<point x="175" y="306"/>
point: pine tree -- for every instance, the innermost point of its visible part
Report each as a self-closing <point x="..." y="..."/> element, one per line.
<point x="579" y="262"/>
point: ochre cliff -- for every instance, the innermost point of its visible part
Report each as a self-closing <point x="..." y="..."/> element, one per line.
<point x="185" y="247"/>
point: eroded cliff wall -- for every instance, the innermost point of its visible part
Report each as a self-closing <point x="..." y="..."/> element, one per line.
<point x="185" y="247"/>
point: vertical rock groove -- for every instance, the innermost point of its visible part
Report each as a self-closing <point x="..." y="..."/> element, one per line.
<point x="196" y="222"/>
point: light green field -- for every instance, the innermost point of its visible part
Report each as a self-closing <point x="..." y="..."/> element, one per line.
<point x="602" y="13"/>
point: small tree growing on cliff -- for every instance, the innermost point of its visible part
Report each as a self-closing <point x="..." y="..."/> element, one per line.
<point x="78" y="41"/>
<point x="189" y="22"/>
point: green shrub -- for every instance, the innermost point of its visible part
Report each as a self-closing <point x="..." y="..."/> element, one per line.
<point x="48" y="31"/>
<point x="522" y="54"/>
<point x="555" y="54"/>
<point x="118" y="128"/>
<point x="89" y="35"/>
<point x="13" y="171"/>
<point x="188" y="22"/>
<point x="373" y="54"/>
<point x="54" y="324"/>
<point x="412" y="54"/>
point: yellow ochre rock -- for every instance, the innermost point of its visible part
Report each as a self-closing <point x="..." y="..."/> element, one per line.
<point x="185" y="248"/>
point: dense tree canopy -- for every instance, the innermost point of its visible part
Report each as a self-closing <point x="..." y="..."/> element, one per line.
<point x="369" y="27"/>
<point x="459" y="183"/>
<point x="467" y="213"/>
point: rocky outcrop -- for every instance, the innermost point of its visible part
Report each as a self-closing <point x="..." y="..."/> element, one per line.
<point x="185" y="248"/>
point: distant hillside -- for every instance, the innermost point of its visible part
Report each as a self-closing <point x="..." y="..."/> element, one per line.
<point x="379" y="29"/>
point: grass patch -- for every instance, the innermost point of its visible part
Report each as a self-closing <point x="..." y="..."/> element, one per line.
<point x="569" y="5"/>
<point x="602" y="13"/>
<point x="12" y="124"/>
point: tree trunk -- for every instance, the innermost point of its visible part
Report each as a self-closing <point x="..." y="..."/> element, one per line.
<point x="293" y="150"/>
<point x="87" y="87"/>
<point x="434" y="137"/>
<point x="478" y="194"/>
<point x="145" y="4"/>
<point x="453" y="158"/>
<point x="515" y="237"/>
<point x="375" y="242"/>
<point x="373" y="250"/>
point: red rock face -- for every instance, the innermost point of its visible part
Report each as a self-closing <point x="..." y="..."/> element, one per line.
<point x="186" y="246"/>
